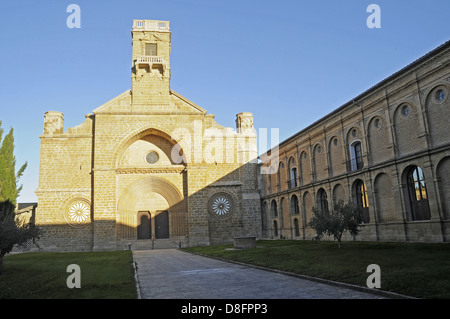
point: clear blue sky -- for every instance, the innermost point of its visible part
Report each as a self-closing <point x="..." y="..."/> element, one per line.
<point x="287" y="62"/>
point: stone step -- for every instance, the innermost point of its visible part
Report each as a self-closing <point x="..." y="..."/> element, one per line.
<point x="145" y="244"/>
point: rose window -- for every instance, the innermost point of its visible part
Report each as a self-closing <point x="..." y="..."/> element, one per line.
<point x="220" y="206"/>
<point x="78" y="212"/>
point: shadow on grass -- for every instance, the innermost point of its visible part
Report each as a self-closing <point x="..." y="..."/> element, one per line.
<point x="104" y="275"/>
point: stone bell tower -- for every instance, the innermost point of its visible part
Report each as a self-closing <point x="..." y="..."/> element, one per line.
<point x="150" y="64"/>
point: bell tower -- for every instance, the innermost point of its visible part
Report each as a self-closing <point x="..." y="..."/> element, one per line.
<point x="150" y="76"/>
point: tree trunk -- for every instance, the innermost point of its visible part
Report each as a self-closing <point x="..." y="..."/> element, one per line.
<point x="339" y="241"/>
<point x="1" y="261"/>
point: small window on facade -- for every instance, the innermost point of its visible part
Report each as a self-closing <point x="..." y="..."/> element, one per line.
<point x="151" y="49"/>
<point x="152" y="158"/>
<point x="335" y="141"/>
<point x="405" y="110"/>
<point x="440" y="95"/>
<point x="377" y="123"/>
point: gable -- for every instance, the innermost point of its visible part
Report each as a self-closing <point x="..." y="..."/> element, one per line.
<point x="121" y="102"/>
<point x="183" y="104"/>
<point x="178" y="104"/>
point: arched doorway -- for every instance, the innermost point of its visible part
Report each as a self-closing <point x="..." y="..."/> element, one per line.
<point x="151" y="207"/>
<point x="162" y="225"/>
<point x="144" y="225"/>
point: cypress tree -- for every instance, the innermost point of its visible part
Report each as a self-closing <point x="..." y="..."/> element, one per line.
<point x="8" y="177"/>
<point x="1" y="164"/>
<point x="11" y="233"/>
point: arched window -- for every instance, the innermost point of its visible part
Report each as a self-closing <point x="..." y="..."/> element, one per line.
<point x="294" y="205"/>
<point x="361" y="199"/>
<point x="322" y="200"/>
<point x="293" y="174"/>
<point x="417" y="194"/>
<point x="296" y="228"/>
<point x="274" y="209"/>
<point x="275" y="228"/>
<point x="356" y="162"/>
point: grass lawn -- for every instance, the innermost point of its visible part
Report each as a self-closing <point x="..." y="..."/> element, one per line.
<point x="413" y="269"/>
<point x="418" y="270"/>
<point x="104" y="275"/>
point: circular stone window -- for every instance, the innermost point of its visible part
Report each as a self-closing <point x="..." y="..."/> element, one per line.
<point x="440" y="95"/>
<point x="78" y="213"/>
<point x="377" y="123"/>
<point x="405" y="110"/>
<point x="221" y="206"/>
<point x="152" y="158"/>
<point x="335" y="141"/>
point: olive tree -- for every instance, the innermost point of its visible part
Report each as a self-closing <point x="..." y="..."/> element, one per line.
<point x="343" y="217"/>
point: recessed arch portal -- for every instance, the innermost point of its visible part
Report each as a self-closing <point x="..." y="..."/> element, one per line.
<point x="145" y="185"/>
<point x="157" y="196"/>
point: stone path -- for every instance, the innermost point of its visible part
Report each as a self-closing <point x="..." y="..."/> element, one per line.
<point x="174" y="274"/>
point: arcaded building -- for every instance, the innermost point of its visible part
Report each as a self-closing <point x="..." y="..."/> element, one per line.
<point x="386" y="150"/>
<point x="149" y="168"/>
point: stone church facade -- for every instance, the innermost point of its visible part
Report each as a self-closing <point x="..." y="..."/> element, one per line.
<point x="149" y="168"/>
<point x="387" y="151"/>
<point x="152" y="169"/>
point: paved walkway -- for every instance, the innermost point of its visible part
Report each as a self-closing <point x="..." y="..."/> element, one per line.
<point x="174" y="274"/>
